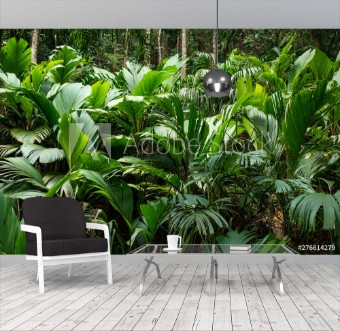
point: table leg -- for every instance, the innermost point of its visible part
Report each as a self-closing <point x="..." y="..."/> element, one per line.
<point x="277" y="270"/>
<point x="213" y="274"/>
<point x="148" y="263"/>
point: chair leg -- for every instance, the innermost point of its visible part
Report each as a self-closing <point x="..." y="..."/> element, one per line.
<point x="37" y="274"/>
<point x="70" y="270"/>
<point x="41" y="276"/>
<point x="109" y="269"/>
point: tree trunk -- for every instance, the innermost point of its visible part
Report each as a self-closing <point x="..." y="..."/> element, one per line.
<point x="229" y="42"/>
<point x="214" y="46"/>
<point x="177" y="45"/>
<point x="35" y="46"/>
<point x="184" y="51"/>
<point x="277" y="37"/>
<point x="98" y="48"/>
<point x="159" y="45"/>
<point x="55" y="39"/>
<point x="200" y="40"/>
<point x="114" y="58"/>
<point x="164" y="45"/>
<point x="240" y="41"/>
<point x="126" y="54"/>
<point x="147" y="47"/>
<point x="316" y="36"/>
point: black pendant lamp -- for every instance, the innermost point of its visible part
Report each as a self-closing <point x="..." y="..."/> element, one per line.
<point x="217" y="83"/>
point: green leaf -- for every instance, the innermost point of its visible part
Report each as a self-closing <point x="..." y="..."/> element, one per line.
<point x="305" y="208"/>
<point x="72" y="140"/>
<point x="117" y="192"/>
<point x="299" y="117"/>
<point x="30" y="136"/>
<point x="18" y="168"/>
<point x="9" y="226"/>
<point x="321" y="65"/>
<point x="140" y="167"/>
<point x="20" y="243"/>
<point x="282" y="187"/>
<point x="102" y="74"/>
<point x="283" y="61"/>
<point x="299" y="65"/>
<point x="63" y="180"/>
<point x="10" y="79"/>
<point x="118" y="144"/>
<point x="40" y="73"/>
<point x="174" y="107"/>
<point x="136" y="232"/>
<point x="98" y="162"/>
<point x="153" y="214"/>
<point x="336" y="76"/>
<point x="99" y="93"/>
<point x="44" y="105"/>
<point x="15" y="56"/>
<point x="88" y="127"/>
<point x="235" y="237"/>
<point x="129" y="112"/>
<point x="70" y="97"/>
<point x="227" y="114"/>
<point x="132" y="74"/>
<point x="191" y="215"/>
<point x="150" y="82"/>
<point x="266" y="128"/>
<point x="64" y="72"/>
<point x="34" y="152"/>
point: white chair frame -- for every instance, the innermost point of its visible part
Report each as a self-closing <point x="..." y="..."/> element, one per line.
<point x="68" y="259"/>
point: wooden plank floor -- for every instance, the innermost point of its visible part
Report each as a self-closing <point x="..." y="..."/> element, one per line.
<point x="246" y="298"/>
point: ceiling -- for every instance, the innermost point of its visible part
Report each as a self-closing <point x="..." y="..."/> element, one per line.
<point x="320" y="14"/>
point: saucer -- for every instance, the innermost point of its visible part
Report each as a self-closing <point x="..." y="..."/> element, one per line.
<point x="172" y="250"/>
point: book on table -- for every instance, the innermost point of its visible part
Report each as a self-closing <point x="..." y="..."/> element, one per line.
<point x="240" y="248"/>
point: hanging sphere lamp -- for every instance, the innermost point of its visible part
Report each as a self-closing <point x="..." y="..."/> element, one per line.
<point x="217" y="83"/>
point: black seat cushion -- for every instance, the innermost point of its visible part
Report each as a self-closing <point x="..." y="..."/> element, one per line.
<point x="68" y="246"/>
<point x="59" y="218"/>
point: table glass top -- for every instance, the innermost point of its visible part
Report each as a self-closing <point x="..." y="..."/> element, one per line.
<point x="216" y="249"/>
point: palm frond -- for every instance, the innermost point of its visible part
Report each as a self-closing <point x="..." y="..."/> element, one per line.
<point x="34" y="152"/>
<point x="18" y="168"/>
<point x="250" y="159"/>
<point x="310" y="165"/>
<point x="7" y="150"/>
<point x="133" y="73"/>
<point x="236" y="237"/>
<point x="305" y="209"/>
<point x="299" y="117"/>
<point x="31" y="136"/>
<point x="139" y="167"/>
<point x="192" y="214"/>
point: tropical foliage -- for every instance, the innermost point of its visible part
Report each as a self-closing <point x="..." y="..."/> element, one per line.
<point x="148" y="153"/>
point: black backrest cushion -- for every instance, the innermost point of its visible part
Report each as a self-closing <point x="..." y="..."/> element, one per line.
<point x="59" y="218"/>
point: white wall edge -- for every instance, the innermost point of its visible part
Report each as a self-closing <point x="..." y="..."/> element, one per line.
<point x="133" y="14"/>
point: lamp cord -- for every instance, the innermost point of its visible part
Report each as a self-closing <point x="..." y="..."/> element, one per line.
<point x="216" y="33"/>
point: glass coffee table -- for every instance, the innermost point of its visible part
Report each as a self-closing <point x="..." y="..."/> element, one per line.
<point x="209" y="253"/>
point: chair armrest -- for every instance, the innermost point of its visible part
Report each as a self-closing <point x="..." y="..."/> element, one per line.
<point x="37" y="230"/>
<point x="97" y="226"/>
<point x="31" y="228"/>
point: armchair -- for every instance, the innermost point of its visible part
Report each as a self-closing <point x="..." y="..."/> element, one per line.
<point x="55" y="234"/>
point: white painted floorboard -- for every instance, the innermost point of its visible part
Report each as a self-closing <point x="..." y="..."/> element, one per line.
<point x="246" y="298"/>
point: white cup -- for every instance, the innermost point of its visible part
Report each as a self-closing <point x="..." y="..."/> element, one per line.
<point x="173" y="241"/>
